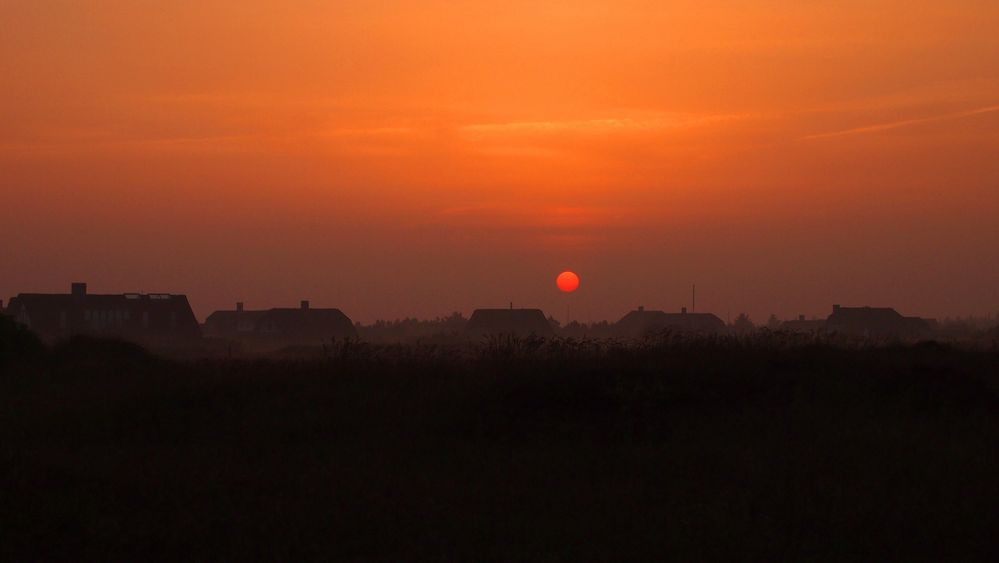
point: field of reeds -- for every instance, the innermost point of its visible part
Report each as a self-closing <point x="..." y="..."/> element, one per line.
<point x="762" y="448"/>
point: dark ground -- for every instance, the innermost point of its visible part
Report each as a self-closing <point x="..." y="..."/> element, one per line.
<point x="758" y="449"/>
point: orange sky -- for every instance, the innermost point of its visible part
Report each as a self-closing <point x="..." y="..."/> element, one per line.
<point x="413" y="158"/>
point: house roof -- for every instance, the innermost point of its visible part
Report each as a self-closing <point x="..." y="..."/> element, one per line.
<point x="509" y="321"/>
<point x="284" y="322"/>
<point x="307" y="321"/>
<point x="882" y="314"/>
<point x="638" y="322"/>
<point x="804" y="325"/>
<point x="883" y="320"/>
<point x="47" y="302"/>
<point x="121" y="314"/>
<point x="227" y="317"/>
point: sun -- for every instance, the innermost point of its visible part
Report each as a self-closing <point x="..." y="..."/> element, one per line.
<point x="567" y="281"/>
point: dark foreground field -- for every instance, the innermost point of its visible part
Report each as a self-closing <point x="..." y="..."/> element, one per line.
<point x="755" y="449"/>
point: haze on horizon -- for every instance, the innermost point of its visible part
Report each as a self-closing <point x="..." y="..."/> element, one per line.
<point x="409" y="158"/>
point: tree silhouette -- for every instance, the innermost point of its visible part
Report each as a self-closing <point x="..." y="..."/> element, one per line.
<point x="773" y="323"/>
<point x="743" y="324"/>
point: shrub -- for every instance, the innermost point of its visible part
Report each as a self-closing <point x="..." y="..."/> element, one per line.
<point x="17" y="342"/>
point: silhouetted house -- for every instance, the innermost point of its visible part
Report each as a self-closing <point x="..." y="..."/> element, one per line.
<point x="801" y="324"/>
<point x="281" y="326"/>
<point x="158" y="319"/>
<point x="516" y="322"/>
<point x="641" y="322"/>
<point x="876" y="322"/>
<point x="231" y="324"/>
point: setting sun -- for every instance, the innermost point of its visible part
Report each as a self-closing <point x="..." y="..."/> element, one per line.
<point x="567" y="282"/>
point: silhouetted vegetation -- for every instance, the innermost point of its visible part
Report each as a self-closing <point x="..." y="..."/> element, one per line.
<point x="17" y="343"/>
<point x="764" y="447"/>
<point x="743" y="324"/>
<point x="409" y="330"/>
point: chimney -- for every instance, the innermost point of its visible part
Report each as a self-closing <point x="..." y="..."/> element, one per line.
<point x="78" y="289"/>
<point x="801" y="317"/>
<point x="835" y="308"/>
<point x="511" y="305"/>
<point x="683" y="310"/>
<point x="305" y="305"/>
<point x="239" y="306"/>
<point x="641" y="308"/>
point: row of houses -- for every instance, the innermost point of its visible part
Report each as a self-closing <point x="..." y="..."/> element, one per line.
<point x="167" y="320"/>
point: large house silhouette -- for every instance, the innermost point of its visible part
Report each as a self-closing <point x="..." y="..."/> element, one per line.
<point x="280" y="326"/>
<point x="154" y="319"/>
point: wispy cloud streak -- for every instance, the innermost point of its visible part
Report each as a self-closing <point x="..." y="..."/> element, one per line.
<point x="613" y="124"/>
<point x="903" y="123"/>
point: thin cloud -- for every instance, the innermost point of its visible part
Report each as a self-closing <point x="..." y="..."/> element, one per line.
<point x="670" y="121"/>
<point x="368" y="132"/>
<point x="567" y="216"/>
<point x="903" y="123"/>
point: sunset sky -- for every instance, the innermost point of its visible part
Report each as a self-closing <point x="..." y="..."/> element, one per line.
<point x="413" y="158"/>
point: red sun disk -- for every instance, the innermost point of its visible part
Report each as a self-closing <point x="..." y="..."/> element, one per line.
<point x="567" y="281"/>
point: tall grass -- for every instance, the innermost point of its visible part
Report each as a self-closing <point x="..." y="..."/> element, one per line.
<point x="757" y="447"/>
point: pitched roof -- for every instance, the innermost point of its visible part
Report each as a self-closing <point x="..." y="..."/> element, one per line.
<point x="322" y="322"/>
<point x="880" y="314"/>
<point x="875" y="321"/>
<point x="638" y="322"/>
<point x="284" y="323"/>
<point x="519" y="322"/>
<point x="132" y="315"/>
<point x="804" y="325"/>
<point x="227" y="323"/>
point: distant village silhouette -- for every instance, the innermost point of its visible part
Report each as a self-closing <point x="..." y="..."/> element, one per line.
<point x="163" y="320"/>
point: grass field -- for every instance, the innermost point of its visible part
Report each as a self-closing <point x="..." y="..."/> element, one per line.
<point x="744" y="449"/>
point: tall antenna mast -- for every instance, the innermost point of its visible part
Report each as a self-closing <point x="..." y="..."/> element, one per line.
<point x="693" y="299"/>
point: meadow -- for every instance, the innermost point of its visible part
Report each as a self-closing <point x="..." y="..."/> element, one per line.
<point x="756" y="448"/>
